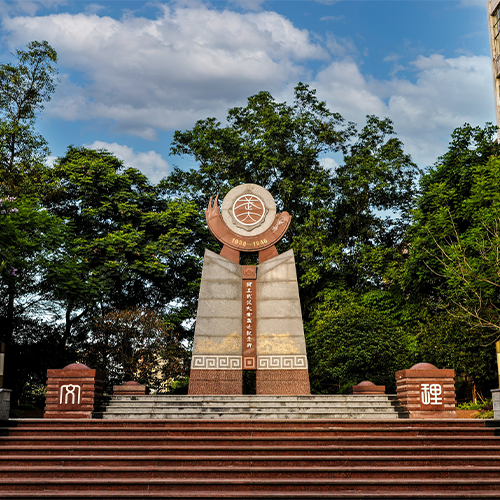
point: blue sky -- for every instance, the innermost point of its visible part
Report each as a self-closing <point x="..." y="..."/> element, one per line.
<point x="133" y="72"/>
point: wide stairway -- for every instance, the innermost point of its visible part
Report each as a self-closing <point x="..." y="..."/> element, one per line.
<point x="251" y="407"/>
<point x="262" y="459"/>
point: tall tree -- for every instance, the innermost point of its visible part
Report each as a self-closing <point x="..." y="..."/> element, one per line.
<point x="29" y="237"/>
<point x="129" y="245"/>
<point x="455" y="238"/>
<point x="24" y="89"/>
<point x="340" y="215"/>
<point x="25" y="86"/>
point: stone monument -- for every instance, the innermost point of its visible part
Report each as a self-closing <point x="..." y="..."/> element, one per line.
<point x="249" y="317"/>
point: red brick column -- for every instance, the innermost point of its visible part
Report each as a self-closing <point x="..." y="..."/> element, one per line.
<point x="73" y="392"/>
<point x="427" y="392"/>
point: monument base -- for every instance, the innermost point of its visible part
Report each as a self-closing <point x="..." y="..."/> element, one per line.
<point x="222" y="382"/>
<point x="283" y="382"/>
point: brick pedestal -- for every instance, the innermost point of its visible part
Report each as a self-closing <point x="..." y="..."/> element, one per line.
<point x="73" y="392"/>
<point x="366" y="387"/>
<point x="427" y="392"/>
<point x="129" y="389"/>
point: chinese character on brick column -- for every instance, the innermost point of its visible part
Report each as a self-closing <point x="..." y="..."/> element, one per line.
<point x="431" y="394"/>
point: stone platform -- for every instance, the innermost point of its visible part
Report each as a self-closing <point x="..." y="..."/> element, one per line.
<point x="251" y="407"/>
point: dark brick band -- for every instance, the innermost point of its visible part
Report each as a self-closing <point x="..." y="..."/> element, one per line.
<point x="222" y="382"/>
<point x="288" y="382"/>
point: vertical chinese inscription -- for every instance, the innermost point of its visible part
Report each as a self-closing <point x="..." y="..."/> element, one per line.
<point x="249" y="317"/>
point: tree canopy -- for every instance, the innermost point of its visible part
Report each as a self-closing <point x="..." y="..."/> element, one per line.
<point x="98" y="263"/>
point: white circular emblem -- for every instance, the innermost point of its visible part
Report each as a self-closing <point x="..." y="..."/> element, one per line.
<point x="248" y="209"/>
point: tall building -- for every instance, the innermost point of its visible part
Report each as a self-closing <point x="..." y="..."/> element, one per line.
<point x="494" y="27"/>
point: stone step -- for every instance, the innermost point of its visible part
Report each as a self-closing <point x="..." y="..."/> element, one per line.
<point x="298" y="461"/>
<point x="241" y="416"/>
<point x="413" y="425"/>
<point x="249" y="485"/>
<point x="6" y="442"/>
<point x="209" y="495"/>
<point x="240" y="472"/>
<point x="258" y="398"/>
<point x="153" y="428"/>
<point x="251" y="407"/>
<point x="267" y="459"/>
<point x="219" y="451"/>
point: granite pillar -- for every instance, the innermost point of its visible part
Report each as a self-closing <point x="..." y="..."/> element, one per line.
<point x="281" y="349"/>
<point x="216" y="366"/>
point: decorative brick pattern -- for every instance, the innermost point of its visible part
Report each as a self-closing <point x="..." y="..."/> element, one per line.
<point x="427" y="392"/>
<point x="222" y="382"/>
<point x="212" y="362"/>
<point x="282" y="362"/>
<point x="73" y="392"/>
<point x="286" y="382"/>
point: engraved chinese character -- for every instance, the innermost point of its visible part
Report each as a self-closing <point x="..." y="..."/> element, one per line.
<point x="249" y="283"/>
<point x="70" y="391"/>
<point x="431" y="394"/>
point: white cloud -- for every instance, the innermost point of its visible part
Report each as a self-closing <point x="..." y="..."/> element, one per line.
<point x="167" y="72"/>
<point x="149" y="163"/>
<point x="447" y="93"/>
<point x="193" y="61"/>
<point x="328" y="163"/>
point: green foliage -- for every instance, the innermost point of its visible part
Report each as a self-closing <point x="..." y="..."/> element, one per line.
<point x="136" y="344"/>
<point x="180" y="386"/>
<point x="475" y="406"/>
<point x="349" y="340"/>
<point x="129" y="245"/>
<point x="24" y="88"/>
<point x="450" y="342"/>
<point x="340" y="230"/>
<point x="455" y="239"/>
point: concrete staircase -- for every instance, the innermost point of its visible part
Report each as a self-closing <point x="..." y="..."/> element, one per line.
<point x="249" y="459"/>
<point x="251" y="407"/>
